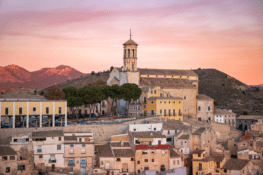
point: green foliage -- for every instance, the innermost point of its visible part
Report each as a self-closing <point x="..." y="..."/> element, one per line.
<point x="130" y="92"/>
<point x="42" y="93"/>
<point x="215" y="103"/>
<point x="74" y="101"/>
<point x="243" y="92"/>
<point x="111" y="68"/>
<point x="55" y="93"/>
<point x="244" y="112"/>
<point x="70" y="91"/>
<point x="92" y="73"/>
<point x="223" y="84"/>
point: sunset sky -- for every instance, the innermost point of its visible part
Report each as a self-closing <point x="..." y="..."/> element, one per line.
<point x="181" y="34"/>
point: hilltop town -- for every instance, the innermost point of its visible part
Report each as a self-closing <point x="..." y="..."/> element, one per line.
<point x="174" y="126"/>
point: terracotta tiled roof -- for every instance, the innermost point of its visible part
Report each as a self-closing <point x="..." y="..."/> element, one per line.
<point x="167" y="82"/>
<point x="152" y="147"/>
<point x="249" y="117"/>
<point x="123" y="153"/>
<point x="118" y="144"/>
<point x="173" y="154"/>
<point x="199" y="131"/>
<point x="206" y="159"/>
<point x="54" y="133"/>
<point x="7" y="150"/>
<point x="104" y="150"/>
<point x="198" y="151"/>
<point x="203" y="97"/>
<point x="223" y="112"/>
<point x="218" y="158"/>
<point x="168" y="98"/>
<point x="235" y="164"/>
<point x="147" y="134"/>
<point x="184" y="137"/>
<point x="130" y="42"/>
<point x="177" y="72"/>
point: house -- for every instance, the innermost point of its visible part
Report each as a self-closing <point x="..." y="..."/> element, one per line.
<point x="244" y="122"/>
<point x="8" y="161"/>
<point x="205" y="108"/>
<point x="48" y="149"/>
<point x="183" y="143"/>
<point x="239" y="166"/>
<point x="225" y="117"/>
<point x="175" y="160"/>
<point x="78" y="151"/>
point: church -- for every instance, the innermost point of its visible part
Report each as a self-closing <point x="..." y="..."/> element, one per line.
<point x="166" y="92"/>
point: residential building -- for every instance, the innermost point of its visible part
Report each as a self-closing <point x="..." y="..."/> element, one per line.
<point x="225" y="117"/>
<point x="147" y="138"/>
<point x="257" y="126"/>
<point x="175" y="160"/>
<point x="78" y="151"/>
<point x="23" y="108"/>
<point x="48" y="149"/>
<point x="205" y="108"/>
<point x="244" y="122"/>
<point x="145" y="127"/>
<point x="183" y="142"/>
<point x="8" y="160"/>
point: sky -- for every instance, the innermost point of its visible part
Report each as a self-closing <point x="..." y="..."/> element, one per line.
<point x="180" y="34"/>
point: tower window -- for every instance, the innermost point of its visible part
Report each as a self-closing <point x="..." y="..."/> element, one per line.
<point x="133" y="53"/>
<point x="128" y="52"/>
<point x="124" y="52"/>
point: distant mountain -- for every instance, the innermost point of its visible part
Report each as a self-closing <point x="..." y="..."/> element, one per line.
<point x="15" y="77"/>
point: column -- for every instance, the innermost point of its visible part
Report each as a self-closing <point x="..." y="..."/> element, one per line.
<point x="27" y="115"/>
<point x="14" y="114"/>
<point x="53" y="117"/>
<point x="0" y="115"/>
<point x="66" y="114"/>
<point x="40" y="117"/>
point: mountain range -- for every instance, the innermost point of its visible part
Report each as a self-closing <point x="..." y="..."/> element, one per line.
<point x="15" y="77"/>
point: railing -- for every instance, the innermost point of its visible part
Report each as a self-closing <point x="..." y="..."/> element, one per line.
<point x="71" y="164"/>
<point x="52" y="161"/>
<point x="83" y="164"/>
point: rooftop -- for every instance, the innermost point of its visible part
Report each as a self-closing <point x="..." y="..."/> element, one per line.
<point x="177" y="72"/>
<point x="199" y="131"/>
<point x="223" y="112"/>
<point x="173" y="154"/>
<point x="104" y="150"/>
<point x="167" y="82"/>
<point x="7" y="150"/>
<point x="168" y="98"/>
<point x="55" y="133"/>
<point x="147" y="134"/>
<point x="123" y="153"/>
<point x="235" y="164"/>
<point x="138" y="147"/>
<point x="203" y="97"/>
<point x="184" y="137"/>
<point x="118" y="144"/>
<point x="249" y="117"/>
<point x="198" y="151"/>
<point x="130" y="42"/>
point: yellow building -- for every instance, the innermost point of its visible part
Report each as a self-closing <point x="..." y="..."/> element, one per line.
<point x="27" y="108"/>
<point x="167" y="107"/>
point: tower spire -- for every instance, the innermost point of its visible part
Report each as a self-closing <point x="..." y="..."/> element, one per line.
<point x="130" y="33"/>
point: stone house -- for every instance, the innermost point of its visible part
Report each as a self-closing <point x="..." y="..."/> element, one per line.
<point x="48" y="149"/>
<point x="78" y="152"/>
<point x="225" y="117"/>
<point x="175" y="160"/>
<point x="257" y="126"/>
<point x="239" y="166"/>
<point x="205" y="108"/>
<point x="183" y="142"/>
<point x="244" y="122"/>
<point x="8" y="161"/>
<point x="204" y="139"/>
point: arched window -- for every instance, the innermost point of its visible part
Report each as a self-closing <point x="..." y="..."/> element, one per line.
<point x="199" y="108"/>
<point x="133" y="66"/>
<point x="133" y="53"/>
<point x="208" y="108"/>
<point x="128" y="53"/>
<point x="124" y="52"/>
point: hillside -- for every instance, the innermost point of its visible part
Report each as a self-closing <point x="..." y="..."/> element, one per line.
<point x="15" y="77"/>
<point x="228" y="92"/>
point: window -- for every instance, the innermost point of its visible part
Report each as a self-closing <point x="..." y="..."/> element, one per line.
<point x="21" y="167"/>
<point x="169" y="102"/>
<point x="151" y="90"/>
<point x="154" y="91"/>
<point x="209" y="108"/>
<point x="59" y="138"/>
<point x="153" y="152"/>
<point x="182" y="142"/>
<point x="71" y="145"/>
<point x="71" y="151"/>
<point x="152" y="160"/>
<point x="40" y="156"/>
<point x="83" y="151"/>
<point x="58" y="147"/>
<point x="70" y="169"/>
<point x="145" y="160"/>
<point x="12" y="157"/>
<point x="152" y="102"/>
<point x="174" y="162"/>
<point x="6" y="111"/>
<point x="138" y="162"/>
<point x="165" y="112"/>
<point x="174" y="112"/>
<point x="4" y="158"/>
<point x="178" y="162"/>
<point x="168" y="132"/>
<point x="161" y="94"/>
<point x="20" y="110"/>
<point x="15" y="140"/>
<point x="144" y="152"/>
<point x="144" y="106"/>
<point x="39" y="149"/>
<point x="159" y="142"/>
<point x="47" y="110"/>
<point x="128" y="52"/>
<point x="161" y="111"/>
<point x="118" y="159"/>
<point x="7" y="169"/>
<point x="27" y="139"/>
<point x="79" y="139"/>
<point x="169" y="139"/>
<point x="139" y="171"/>
<point x="164" y="102"/>
<point x="199" y="108"/>
<point x="132" y="159"/>
<point x="144" y="100"/>
<point x="59" y="110"/>
<point x="184" y="97"/>
<point x="34" y="109"/>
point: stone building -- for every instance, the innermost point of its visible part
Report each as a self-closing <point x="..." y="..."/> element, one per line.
<point x="244" y="122"/>
<point x="8" y="161"/>
<point x="205" y="108"/>
<point x="78" y="151"/>
<point x="225" y="117"/>
<point x="183" y="142"/>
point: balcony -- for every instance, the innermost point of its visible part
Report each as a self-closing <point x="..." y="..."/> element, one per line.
<point x="52" y="161"/>
<point x="71" y="164"/>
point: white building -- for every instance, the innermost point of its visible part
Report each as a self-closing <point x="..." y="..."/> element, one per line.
<point x="225" y="116"/>
<point x="48" y="149"/>
<point x="145" y="127"/>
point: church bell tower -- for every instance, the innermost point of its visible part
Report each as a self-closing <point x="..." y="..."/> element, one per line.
<point x="130" y="55"/>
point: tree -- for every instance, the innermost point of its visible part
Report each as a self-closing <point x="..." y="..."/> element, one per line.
<point x="92" y="73"/>
<point x="111" y="68"/>
<point x="55" y="93"/>
<point x="130" y="92"/>
<point x="98" y="83"/>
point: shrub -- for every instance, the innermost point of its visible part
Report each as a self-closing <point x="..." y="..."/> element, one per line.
<point x="215" y="103"/>
<point x="92" y="73"/>
<point x="244" y="112"/>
